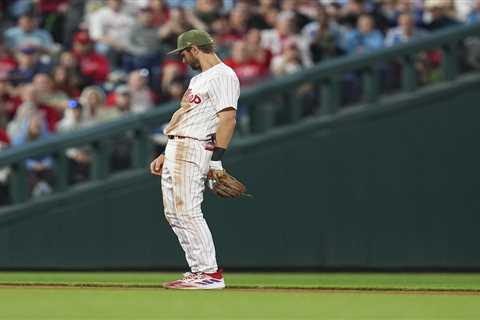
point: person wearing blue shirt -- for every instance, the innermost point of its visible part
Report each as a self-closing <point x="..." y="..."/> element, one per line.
<point x="27" y="34"/>
<point x="474" y="15"/>
<point x="406" y="31"/>
<point x="365" y="38"/>
<point x="28" y="66"/>
<point x="40" y="174"/>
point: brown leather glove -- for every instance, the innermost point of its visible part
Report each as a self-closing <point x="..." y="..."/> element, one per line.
<point x="224" y="185"/>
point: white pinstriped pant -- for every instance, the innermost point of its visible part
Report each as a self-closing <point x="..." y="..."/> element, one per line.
<point x="183" y="182"/>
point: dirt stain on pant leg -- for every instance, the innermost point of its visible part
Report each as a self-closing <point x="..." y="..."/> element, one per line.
<point x="178" y="173"/>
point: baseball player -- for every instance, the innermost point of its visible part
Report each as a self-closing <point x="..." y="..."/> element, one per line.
<point x="198" y="136"/>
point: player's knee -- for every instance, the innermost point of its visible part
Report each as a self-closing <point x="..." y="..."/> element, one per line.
<point x="190" y="214"/>
<point x="183" y="218"/>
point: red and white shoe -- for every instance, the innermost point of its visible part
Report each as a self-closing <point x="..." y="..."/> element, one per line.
<point x="198" y="280"/>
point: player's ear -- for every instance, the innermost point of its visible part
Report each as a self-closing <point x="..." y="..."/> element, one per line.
<point x="194" y="50"/>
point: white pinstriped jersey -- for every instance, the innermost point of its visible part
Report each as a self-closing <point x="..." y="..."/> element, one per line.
<point x="208" y="93"/>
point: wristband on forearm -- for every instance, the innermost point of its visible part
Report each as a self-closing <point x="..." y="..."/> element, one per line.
<point x="218" y="154"/>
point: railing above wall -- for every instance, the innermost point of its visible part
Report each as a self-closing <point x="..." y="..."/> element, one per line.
<point x="262" y="101"/>
<point x="327" y="76"/>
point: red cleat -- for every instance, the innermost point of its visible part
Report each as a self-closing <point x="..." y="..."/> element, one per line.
<point x="198" y="280"/>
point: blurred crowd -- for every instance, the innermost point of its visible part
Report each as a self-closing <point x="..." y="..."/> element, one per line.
<point x="70" y="64"/>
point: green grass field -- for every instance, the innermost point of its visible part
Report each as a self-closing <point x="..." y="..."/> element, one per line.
<point x="25" y="295"/>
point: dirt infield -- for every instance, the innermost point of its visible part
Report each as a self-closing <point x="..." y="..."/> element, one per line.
<point x="249" y="289"/>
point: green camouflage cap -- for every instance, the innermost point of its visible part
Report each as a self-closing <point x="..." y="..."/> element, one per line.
<point x="192" y="37"/>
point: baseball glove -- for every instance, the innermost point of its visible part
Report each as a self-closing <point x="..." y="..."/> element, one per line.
<point x="225" y="185"/>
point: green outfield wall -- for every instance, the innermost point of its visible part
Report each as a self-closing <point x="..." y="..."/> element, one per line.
<point x="391" y="185"/>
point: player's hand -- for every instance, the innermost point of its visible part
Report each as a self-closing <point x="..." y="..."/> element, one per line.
<point x="157" y="165"/>
<point x="214" y="176"/>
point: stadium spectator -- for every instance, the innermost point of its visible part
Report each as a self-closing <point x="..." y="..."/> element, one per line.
<point x="365" y="37"/>
<point x="334" y="11"/>
<point x="142" y="97"/>
<point x="66" y="81"/>
<point x="462" y="8"/>
<point x="94" y="110"/>
<point x="180" y="21"/>
<point x="176" y="89"/>
<point x="28" y="65"/>
<point x="207" y="11"/>
<point x="242" y="61"/>
<point x="474" y="14"/>
<point x="323" y="20"/>
<point x="144" y="45"/>
<point x="132" y="7"/>
<point x="350" y="13"/>
<point x="39" y="169"/>
<point x="93" y="66"/>
<point x="266" y="17"/>
<point x="221" y="31"/>
<point x="160" y="12"/>
<point x="28" y="107"/>
<point x="73" y="19"/>
<point x="109" y="27"/>
<point x="70" y="63"/>
<point x="323" y="36"/>
<point x="413" y="8"/>
<point x="256" y="51"/>
<point x="80" y="158"/>
<point x="437" y="15"/>
<point x="389" y="10"/>
<point x="406" y="31"/>
<point x="48" y="95"/>
<point x="26" y="34"/>
<point x="239" y="22"/>
<point x="284" y="33"/>
<point x="123" y="100"/>
<point x="264" y="6"/>
<point x="288" y="62"/>
<point x="52" y="16"/>
<point x="172" y="69"/>
<point x="76" y="117"/>
<point x="302" y="10"/>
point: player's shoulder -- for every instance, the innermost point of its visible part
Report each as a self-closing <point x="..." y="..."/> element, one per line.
<point x="222" y="71"/>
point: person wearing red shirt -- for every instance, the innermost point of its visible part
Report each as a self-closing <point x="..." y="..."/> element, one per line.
<point x="245" y="66"/>
<point x="93" y="66"/>
<point x="260" y="54"/>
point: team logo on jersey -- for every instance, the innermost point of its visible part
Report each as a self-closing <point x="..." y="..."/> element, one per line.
<point x="193" y="98"/>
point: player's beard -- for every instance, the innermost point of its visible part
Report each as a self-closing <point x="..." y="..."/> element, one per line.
<point x="194" y="64"/>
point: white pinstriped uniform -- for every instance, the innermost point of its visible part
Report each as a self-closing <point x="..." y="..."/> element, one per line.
<point x="187" y="161"/>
